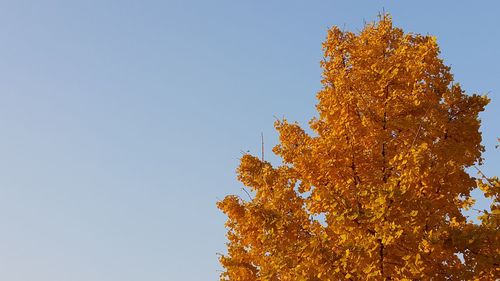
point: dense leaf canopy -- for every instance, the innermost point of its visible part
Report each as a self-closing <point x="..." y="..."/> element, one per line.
<point x="378" y="190"/>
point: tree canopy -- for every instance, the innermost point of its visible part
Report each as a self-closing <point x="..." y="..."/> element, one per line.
<point x="377" y="190"/>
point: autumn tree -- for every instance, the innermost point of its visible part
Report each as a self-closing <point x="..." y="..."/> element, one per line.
<point x="377" y="190"/>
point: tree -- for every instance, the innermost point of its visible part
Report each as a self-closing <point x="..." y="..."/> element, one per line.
<point x="377" y="190"/>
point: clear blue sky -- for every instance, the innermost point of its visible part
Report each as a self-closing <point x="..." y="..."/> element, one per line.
<point x="122" y="121"/>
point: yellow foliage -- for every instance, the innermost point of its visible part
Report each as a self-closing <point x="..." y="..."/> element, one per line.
<point x="377" y="192"/>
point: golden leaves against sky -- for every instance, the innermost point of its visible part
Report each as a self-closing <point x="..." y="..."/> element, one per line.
<point x="385" y="170"/>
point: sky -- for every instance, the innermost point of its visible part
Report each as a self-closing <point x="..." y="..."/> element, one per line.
<point x="122" y="122"/>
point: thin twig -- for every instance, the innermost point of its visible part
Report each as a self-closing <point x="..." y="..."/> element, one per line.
<point x="247" y="193"/>
<point x="262" y="147"/>
<point x="483" y="175"/>
<point x="418" y="131"/>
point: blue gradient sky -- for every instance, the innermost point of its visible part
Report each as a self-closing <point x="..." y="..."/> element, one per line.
<point x="122" y="121"/>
